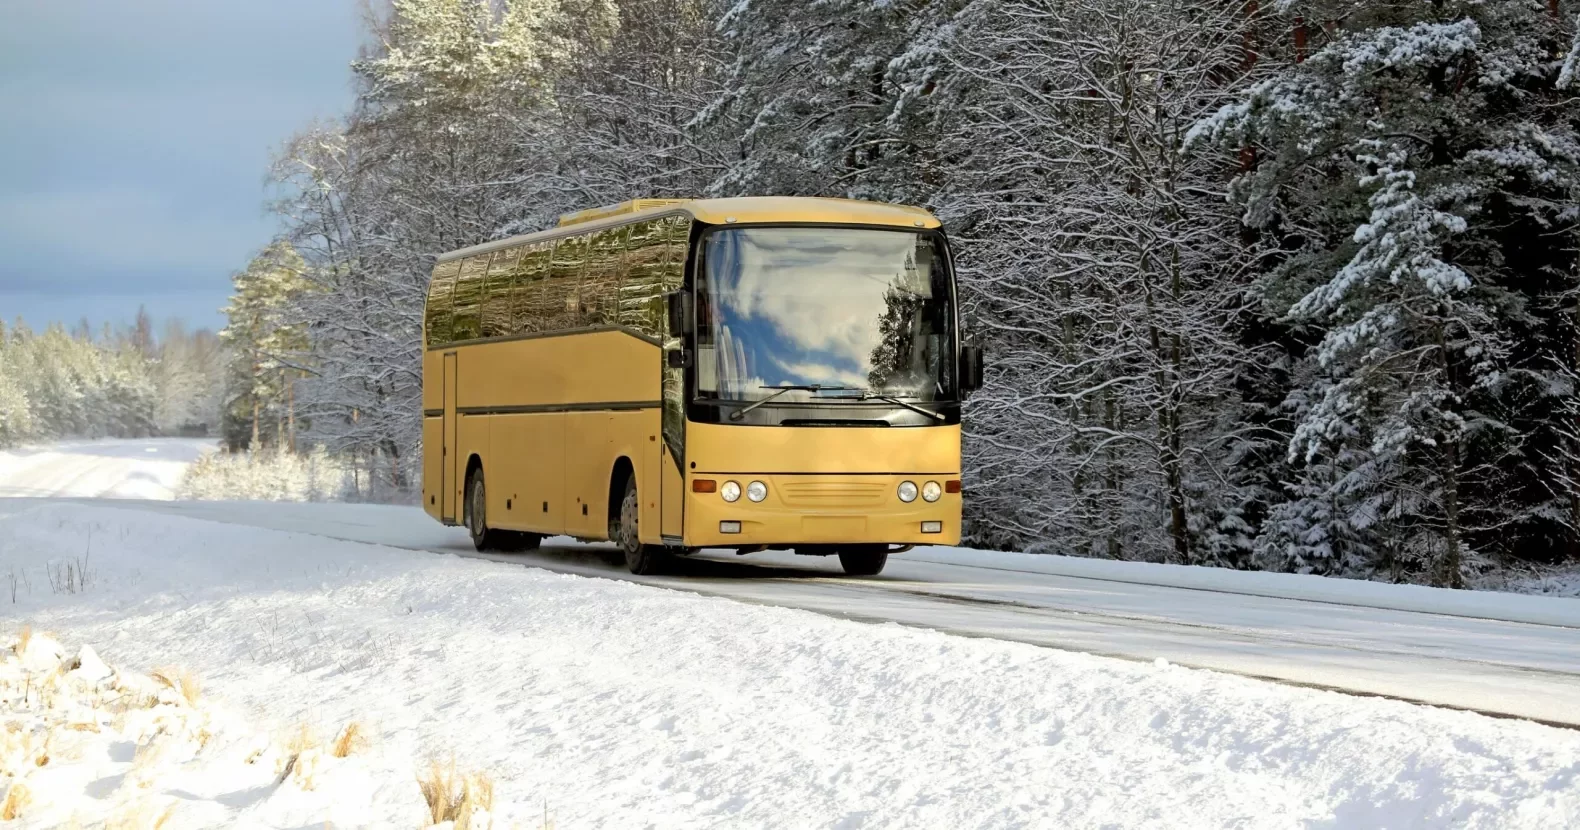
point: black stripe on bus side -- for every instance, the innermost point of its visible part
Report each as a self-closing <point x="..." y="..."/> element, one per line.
<point x="602" y="406"/>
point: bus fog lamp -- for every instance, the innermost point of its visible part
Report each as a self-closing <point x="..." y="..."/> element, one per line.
<point x="932" y="491"/>
<point x="932" y="527"/>
<point x="729" y="527"/>
<point x="731" y="491"/>
<point x="757" y="491"/>
<point x="907" y="491"/>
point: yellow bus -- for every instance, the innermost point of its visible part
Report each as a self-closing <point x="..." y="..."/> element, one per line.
<point x="752" y="374"/>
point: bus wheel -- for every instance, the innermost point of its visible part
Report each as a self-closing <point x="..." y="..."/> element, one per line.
<point x="477" y="516"/>
<point x="639" y="558"/>
<point x="864" y="560"/>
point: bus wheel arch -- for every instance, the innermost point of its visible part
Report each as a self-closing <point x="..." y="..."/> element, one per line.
<point x="624" y="527"/>
<point x="474" y="463"/>
<point x="486" y="538"/>
<point x="622" y="472"/>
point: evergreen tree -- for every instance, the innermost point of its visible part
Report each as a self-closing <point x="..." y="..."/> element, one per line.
<point x="1417" y="176"/>
<point x="264" y="341"/>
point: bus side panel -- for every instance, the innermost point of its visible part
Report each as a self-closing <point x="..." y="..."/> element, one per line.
<point x="432" y="457"/>
<point x="634" y="435"/>
<point x="569" y="370"/>
<point x="528" y="451"/>
<point x="502" y="470"/>
<point x="588" y="464"/>
<point x="674" y="495"/>
<point x="432" y="381"/>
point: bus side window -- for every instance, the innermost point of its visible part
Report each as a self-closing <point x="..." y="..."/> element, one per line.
<point x="440" y="299"/>
<point x="560" y="299"/>
<point x="600" y="284"/>
<point x="641" y="296"/>
<point x="498" y="293"/>
<point x="529" y="314"/>
<point x="469" y="298"/>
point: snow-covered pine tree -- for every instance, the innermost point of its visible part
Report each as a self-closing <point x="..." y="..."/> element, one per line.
<point x="264" y="343"/>
<point x="1418" y="176"/>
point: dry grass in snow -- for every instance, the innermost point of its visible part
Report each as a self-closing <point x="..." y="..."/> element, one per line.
<point x="464" y="798"/>
<point x="83" y="744"/>
<point x="351" y="739"/>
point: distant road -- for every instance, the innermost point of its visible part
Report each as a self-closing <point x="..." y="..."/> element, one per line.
<point x="148" y="468"/>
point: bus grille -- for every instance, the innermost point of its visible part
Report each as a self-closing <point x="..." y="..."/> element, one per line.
<point x="832" y="493"/>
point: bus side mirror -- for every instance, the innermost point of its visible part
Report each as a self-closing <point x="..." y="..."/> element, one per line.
<point x="682" y="314"/>
<point x="970" y="369"/>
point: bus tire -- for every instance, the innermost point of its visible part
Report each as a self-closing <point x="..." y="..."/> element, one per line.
<point x="476" y="517"/>
<point x="864" y="560"/>
<point x="640" y="559"/>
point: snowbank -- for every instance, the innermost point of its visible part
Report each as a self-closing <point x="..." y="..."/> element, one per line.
<point x="613" y="704"/>
<point x="268" y="476"/>
<point x="87" y="744"/>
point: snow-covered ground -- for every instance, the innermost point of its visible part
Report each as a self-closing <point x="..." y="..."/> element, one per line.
<point x="148" y="468"/>
<point x="612" y="704"/>
<point x="1492" y="652"/>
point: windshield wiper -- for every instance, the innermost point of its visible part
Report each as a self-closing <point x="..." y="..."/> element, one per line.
<point x="803" y="387"/>
<point x="868" y="394"/>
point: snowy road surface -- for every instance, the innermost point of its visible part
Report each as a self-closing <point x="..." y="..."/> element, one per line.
<point x="609" y="704"/>
<point x="1503" y="654"/>
<point x="148" y="468"/>
<point x="1496" y="653"/>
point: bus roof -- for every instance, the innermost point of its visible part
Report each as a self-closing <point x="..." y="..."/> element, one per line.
<point x="744" y="209"/>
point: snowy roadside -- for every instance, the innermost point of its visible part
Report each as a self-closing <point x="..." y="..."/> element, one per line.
<point x="614" y="704"/>
<point x="86" y="743"/>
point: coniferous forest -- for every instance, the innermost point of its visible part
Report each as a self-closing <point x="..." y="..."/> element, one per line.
<point x="1284" y="285"/>
<point x="114" y="383"/>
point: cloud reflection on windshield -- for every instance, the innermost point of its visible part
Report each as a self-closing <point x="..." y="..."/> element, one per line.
<point x="813" y="306"/>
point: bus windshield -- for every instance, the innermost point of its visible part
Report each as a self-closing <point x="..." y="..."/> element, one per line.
<point x="831" y="312"/>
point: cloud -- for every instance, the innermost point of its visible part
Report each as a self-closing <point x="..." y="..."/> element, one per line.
<point x="86" y="239"/>
<point x="136" y="136"/>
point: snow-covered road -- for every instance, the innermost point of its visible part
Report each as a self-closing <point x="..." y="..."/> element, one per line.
<point x="1495" y="653"/>
<point x="608" y="704"/>
<point x="144" y="468"/>
<point x="614" y="705"/>
<point x="1503" y="654"/>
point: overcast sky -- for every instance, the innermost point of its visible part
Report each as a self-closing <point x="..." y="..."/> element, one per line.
<point x="134" y="140"/>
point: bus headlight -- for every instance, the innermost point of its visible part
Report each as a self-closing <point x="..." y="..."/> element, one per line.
<point x="932" y="491"/>
<point x="731" y="491"/>
<point x="907" y="492"/>
<point x="757" y="491"/>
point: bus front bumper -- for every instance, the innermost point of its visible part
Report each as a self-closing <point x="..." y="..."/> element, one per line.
<point x="821" y="510"/>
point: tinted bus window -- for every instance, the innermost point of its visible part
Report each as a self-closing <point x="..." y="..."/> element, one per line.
<point x="497" y="291"/>
<point x="469" y="298"/>
<point x="529" y="315"/>
<point x="440" y="298"/>
<point x="565" y="271"/>
<point x="600" y="284"/>
<point x="641" y="297"/>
